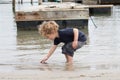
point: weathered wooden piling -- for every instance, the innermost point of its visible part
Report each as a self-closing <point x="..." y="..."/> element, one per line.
<point x="31" y="2"/>
<point x="21" y="1"/>
<point x="13" y="5"/>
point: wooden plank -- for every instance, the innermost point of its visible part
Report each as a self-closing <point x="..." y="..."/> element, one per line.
<point x="56" y="11"/>
<point x="90" y="2"/>
<point x="52" y="15"/>
<point x="100" y="6"/>
<point x="93" y="6"/>
<point x="13" y="5"/>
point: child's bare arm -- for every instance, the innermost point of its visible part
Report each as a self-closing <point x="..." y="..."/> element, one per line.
<point x="75" y="42"/>
<point x="52" y="49"/>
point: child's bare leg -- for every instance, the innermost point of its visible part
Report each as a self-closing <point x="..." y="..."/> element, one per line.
<point x="66" y="58"/>
<point x="69" y="59"/>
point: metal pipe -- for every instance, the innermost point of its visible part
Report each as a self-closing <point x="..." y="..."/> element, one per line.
<point x="93" y="22"/>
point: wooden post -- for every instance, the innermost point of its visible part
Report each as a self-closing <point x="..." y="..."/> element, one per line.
<point x="99" y="1"/>
<point x="39" y="2"/>
<point x="13" y="5"/>
<point x="31" y="2"/>
<point x="21" y="1"/>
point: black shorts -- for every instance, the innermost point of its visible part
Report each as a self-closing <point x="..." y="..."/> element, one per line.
<point x="69" y="50"/>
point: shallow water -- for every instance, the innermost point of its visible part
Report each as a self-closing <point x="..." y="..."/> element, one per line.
<point x="22" y="50"/>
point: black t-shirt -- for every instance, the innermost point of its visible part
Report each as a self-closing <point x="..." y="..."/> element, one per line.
<point x="67" y="35"/>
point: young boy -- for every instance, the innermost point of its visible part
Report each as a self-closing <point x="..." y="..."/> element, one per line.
<point x="72" y="38"/>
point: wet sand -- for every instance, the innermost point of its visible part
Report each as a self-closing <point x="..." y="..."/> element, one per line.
<point x="48" y="75"/>
<point x="21" y="51"/>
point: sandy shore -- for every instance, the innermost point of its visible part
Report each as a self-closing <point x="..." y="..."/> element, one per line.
<point x="68" y="75"/>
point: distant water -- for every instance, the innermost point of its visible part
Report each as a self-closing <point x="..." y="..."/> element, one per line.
<point x="5" y="1"/>
<point x="22" y="50"/>
<point x="10" y="1"/>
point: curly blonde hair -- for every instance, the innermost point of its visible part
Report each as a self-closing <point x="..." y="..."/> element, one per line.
<point x="48" y="27"/>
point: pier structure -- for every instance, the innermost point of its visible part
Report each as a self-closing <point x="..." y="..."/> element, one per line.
<point x="66" y="14"/>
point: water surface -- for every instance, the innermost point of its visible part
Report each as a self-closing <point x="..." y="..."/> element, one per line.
<point x="22" y="50"/>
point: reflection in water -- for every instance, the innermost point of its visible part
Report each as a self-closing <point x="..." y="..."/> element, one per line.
<point x="31" y="40"/>
<point x="44" y="67"/>
<point x="47" y="67"/>
<point x="65" y="67"/>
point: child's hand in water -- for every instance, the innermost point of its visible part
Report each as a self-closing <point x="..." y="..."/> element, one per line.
<point x="43" y="60"/>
